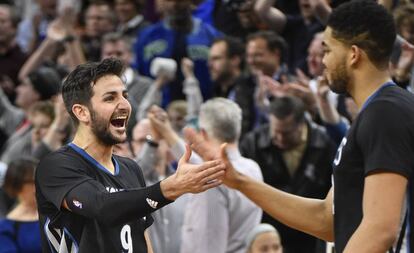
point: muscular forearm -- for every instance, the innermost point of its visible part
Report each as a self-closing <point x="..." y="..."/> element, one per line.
<point x="312" y="216"/>
<point x="90" y="200"/>
<point x="370" y="238"/>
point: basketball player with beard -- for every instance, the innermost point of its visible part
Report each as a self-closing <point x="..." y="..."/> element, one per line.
<point x="368" y="208"/>
<point x="91" y="200"/>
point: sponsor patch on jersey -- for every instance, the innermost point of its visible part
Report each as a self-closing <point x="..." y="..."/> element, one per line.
<point x="77" y="203"/>
<point x="152" y="203"/>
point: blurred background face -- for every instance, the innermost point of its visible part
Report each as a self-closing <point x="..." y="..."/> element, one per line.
<point x="315" y="56"/>
<point x="125" y="10"/>
<point x="175" y="8"/>
<point x="285" y="133"/>
<point x="48" y="7"/>
<point x="260" y="58"/>
<point x="218" y="62"/>
<point x="407" y="31"/>
<point x="26" y="95"/>
<point x="268" y="242"/>
<point x="140" y="131"/>
<point x="7" y="29"/>
<point x="117" y="49"/>
<point x="177" y="119"/>
<point x="98" y="20"/>
<point x="305" y="9"/>
<point x="40" y="125"/>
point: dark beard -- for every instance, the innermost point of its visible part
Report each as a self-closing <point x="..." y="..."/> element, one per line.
<point x="340" y="80"/>
<point x="101" y="131"/>
<point x="339" y="86"/>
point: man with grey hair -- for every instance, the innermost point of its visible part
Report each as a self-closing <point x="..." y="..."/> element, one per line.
<point x="220" y="215"/>
<point x="220" y="119"/>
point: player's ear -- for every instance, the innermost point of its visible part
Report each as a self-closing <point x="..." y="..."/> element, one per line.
<point x="82" y="113"/>
<point x="356" y="54"/>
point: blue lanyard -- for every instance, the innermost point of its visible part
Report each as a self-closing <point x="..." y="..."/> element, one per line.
<point x="376" y="93"/>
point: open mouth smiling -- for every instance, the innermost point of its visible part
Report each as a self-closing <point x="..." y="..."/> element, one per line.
<point x="119" y="121"/>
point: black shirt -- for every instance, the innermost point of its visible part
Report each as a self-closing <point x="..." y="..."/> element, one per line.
<point x="66" y="169"/>
<point x="381" y="138"/>
<point x="311" y="179"/>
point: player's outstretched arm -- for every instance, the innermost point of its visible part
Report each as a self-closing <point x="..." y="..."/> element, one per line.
<point x="89" y="198"/>
<point x="312" y="216"/>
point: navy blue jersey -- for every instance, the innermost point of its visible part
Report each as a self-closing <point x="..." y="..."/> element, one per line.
<point x="381" y="139"/>
<point x="66" y="231"/>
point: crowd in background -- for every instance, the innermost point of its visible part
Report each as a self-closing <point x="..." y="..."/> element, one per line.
<point x="246" y="72"/>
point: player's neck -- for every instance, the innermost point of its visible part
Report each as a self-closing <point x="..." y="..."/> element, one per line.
<point x="100" y="152"/>
<point x="366" y="83"/>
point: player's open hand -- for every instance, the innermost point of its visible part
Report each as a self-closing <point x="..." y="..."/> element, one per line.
<point x="195" y="178"/>
<point x="231" y="177"/>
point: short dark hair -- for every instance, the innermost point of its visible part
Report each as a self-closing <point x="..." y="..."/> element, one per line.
<point x="283" y="107"/>
<point x="234" y="47"/>
<point x="78" y="86"/>
<point x="274" y="41"/>
<point x="19" y="172"/>
<point x="366" y="24"/>
<point x="111" y="15"/>
<point x="46" y="81"/>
